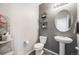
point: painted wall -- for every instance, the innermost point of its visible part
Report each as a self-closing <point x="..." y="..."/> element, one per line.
<point x="23" y="25"/>
<point x="78" y="12"/>
<point x="51" y="30"/>
<point x="78" y="25"/>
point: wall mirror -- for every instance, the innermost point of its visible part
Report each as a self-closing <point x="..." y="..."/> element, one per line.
<point x="63" y="21"/>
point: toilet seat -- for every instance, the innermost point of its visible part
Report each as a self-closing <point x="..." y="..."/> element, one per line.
<point x="38" y="46"/>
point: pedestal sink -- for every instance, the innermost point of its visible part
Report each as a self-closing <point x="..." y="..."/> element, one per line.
<point x="62" y="41"/>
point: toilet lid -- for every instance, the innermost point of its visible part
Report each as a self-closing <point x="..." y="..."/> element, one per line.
<point x="38" y="45"/>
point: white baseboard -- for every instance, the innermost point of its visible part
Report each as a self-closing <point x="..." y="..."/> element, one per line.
<point x="9" y="53"/>
<point x="29" y="52"/>
<point x="12" y="52"/>
<point x="51" y="51"/>
<point x="44" y="49"/>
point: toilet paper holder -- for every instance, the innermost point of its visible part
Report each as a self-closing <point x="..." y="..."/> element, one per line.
<point x="26" y="42"/>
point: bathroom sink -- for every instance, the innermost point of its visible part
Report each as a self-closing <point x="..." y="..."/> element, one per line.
<point x="63" y="39"/>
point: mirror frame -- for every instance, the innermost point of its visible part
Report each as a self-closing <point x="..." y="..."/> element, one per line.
<point x="71" y="17"/>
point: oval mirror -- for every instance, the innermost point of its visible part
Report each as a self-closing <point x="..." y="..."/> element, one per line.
<point x="63" y="21"/>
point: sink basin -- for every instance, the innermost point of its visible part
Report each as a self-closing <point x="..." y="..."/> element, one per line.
<point x="63" y="39"/>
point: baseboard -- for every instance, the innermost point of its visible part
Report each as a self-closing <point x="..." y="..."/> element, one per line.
<point x="29" y="52"/>
<point x="9" y="53"/>
<point x="44" y="49"/>
<point x="51" y="51"/>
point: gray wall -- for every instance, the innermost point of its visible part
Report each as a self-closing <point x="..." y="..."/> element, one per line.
<point x="51" y="31"/>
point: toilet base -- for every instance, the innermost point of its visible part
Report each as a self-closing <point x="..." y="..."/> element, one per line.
<point x="39" y="52"/>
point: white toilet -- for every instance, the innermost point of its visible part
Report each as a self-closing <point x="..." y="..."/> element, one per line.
<point x="38" y="47"/>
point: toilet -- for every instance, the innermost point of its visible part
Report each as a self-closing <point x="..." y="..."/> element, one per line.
<point x="38" y="47"/>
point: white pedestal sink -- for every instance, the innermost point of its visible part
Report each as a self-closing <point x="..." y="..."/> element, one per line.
<point x="62" y="41"/>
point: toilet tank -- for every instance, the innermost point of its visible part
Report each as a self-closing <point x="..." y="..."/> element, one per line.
<point x="43" y="39"/>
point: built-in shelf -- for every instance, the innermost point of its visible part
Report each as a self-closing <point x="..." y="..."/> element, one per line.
<point x="2" y="42"/>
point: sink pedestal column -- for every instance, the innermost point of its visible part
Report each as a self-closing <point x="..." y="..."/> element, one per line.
<point x="61" y="48"/>
<point x="62" y="41"/>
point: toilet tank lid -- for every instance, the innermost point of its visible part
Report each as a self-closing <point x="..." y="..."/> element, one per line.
<point x="43" y="37"/>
